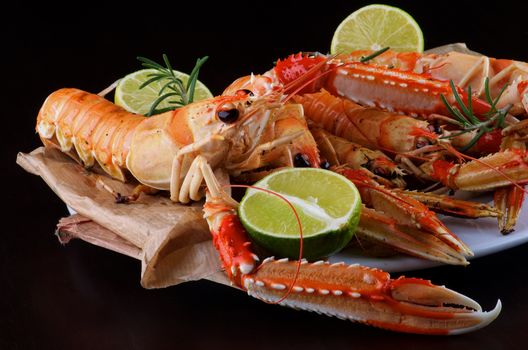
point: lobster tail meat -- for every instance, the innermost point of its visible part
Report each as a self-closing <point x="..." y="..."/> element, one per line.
<point x="369" y="296"/>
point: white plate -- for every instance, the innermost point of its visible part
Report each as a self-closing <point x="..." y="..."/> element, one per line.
<point x="481" y="235"/>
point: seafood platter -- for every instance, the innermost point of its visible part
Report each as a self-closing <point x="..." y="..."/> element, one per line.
<point x="418" y="138"/>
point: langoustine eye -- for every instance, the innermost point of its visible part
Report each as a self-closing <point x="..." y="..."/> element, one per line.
<point x="324" y="164"/>
<point x="301" y="161"/>
<point x="228" y="113"/>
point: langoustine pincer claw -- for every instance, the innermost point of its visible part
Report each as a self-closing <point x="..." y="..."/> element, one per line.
<point x="369" y="296"/>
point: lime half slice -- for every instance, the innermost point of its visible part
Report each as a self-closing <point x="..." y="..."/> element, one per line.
<point x="328" y="205"/>
<point x="129" y="96"/>
<point x="374" y="27"/>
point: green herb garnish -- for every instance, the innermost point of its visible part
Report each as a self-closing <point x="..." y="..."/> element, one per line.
<point x="373" y="55"/>
<point x="466" y="119"/>
<point x="181" y="94"/>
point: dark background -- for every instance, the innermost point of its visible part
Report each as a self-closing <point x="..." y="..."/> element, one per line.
<point x="81" y="296"/>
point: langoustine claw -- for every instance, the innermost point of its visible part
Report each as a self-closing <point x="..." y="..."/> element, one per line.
<point x="370" y="296"/>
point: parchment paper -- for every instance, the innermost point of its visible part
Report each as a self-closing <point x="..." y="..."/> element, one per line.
<point x="171" y="240"/>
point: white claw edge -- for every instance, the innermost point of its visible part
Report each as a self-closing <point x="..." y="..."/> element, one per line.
<point x="268" y="259"/>
<point x="485" y="318"/>
<point x="246" y="268"/>
<point x="338" y="264"/>
<point x="278" y="286"/>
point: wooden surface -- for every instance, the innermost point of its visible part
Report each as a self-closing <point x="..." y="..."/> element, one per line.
<point x="83" y="297"/>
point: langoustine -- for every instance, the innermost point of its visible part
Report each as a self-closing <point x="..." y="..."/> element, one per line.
<point x="205" y="142"/>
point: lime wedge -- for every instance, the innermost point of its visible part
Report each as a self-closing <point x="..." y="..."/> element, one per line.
<point x="328" y="205"/>
<point x="129" y="96"/>
<point x="374" y="27"/>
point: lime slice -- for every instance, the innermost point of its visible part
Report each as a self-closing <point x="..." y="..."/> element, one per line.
<point x="327" y="203"/>
<point x="374" y="27"/>
<point x="129" y="96"/>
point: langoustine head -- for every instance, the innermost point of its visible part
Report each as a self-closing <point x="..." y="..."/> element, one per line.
<point x="269" y="133"/>
<point x="241" y="133"/>
<point x="284" y="140"/>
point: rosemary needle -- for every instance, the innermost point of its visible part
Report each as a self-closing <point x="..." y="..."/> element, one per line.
<point x="464" y="116"/>
<point x="174" y="90"/>
<point x="373" y="55"/>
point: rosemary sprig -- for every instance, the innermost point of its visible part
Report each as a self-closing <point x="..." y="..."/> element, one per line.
<point x="465" y="118"/>
<point x="174" y="86"/>
<point x="373" y="55"/>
